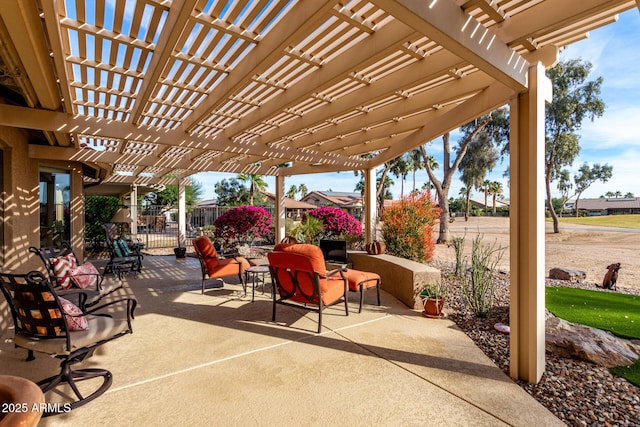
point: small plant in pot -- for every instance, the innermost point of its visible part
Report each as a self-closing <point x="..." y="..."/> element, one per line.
<point x="433" y="299"/>
<point x="180" y="251"/>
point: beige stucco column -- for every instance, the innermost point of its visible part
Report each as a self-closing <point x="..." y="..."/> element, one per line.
<point x="527" y="236"/>
<point x="369" y="209"/>
<point x="279" y="215"/>
<point x="133" y="209"/>
<point x="182" y="209"/>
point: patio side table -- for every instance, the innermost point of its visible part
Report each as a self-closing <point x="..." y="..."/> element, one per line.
<point x="255" y="271"/>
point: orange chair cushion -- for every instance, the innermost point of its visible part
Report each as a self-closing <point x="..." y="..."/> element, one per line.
<point x="312" y="252"/>
<point x="229" y="267"/>
<point x="357" y="277"/>
<point x="304" y="261"/>
<point x="205" y="250"/>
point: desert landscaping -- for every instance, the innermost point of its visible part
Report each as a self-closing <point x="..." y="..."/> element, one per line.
<point x="577" y="247"/>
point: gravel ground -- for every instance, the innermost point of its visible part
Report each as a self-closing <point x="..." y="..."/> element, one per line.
<point x="577" y="392"/>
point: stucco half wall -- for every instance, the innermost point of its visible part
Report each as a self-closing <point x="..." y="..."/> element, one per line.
<point x="400" y="277"/>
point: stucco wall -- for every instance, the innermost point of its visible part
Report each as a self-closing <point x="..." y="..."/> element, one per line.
<point x="21" y="208"/>
<point x="401" y="277"/>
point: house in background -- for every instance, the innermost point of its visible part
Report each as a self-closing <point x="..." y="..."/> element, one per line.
<point x="604" y="206"/>
<point x="349" y="202"/>
<point x="294" y="209"/>
<point x="479" y="203"/>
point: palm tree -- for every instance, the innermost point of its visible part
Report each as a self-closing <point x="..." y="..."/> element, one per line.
<point x="629" y="195"/>
<point x="400" y="170"/>
<point x="609" y="194"/>
<point x="485" y="187"/>
<point x="495" y="189"/>
<point x="415" y="164"/>
<point x="255" y="183"/>
<point x="293" y="190"/>
<point x="618" y="194"/>
<point x="302" y="189"/>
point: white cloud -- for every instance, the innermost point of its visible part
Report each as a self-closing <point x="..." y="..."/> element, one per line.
<point x="617" y="127"/>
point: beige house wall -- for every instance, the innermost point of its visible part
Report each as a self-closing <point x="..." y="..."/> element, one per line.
<point x="21" y="225"/>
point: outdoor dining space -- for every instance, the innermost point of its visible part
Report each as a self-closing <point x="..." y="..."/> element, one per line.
<point x="218" y="359"/>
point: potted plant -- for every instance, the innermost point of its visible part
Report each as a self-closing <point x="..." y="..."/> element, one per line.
<point x="433" y="299"/>
<point x="180" y="251"/>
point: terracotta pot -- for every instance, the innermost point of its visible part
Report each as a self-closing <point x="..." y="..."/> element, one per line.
<point x="21" y="401"/>
<point x="433" y="307"/>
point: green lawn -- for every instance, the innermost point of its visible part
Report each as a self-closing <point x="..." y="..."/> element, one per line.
<point x="621" y="221"/>
<point x="618" y="313"/>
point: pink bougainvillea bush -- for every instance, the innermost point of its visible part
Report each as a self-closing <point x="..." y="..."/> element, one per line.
<point x="337" y="223"/>
<point x="243" y="223"/>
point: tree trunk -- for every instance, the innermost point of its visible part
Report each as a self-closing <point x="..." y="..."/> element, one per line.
<point x="554" y="216"/>
<point x="486" y="193"/>
<point x="468" y="205"/>
<point x="444" y="235"/>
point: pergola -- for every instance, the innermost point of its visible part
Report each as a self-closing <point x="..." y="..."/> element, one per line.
<point x="144" y="92"/>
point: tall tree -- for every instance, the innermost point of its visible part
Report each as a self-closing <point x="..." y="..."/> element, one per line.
<point x="481" y="157"/>
<point x="588" y="175"/>
<point x="564" y="185"/>
<point x="231" y="192"/>
<point x="303" y="190"/>
<point x="416" y="163"/>
<point x="400" y="170"/>
<point x="442" y="187"/>
<point x="256" y="182"/>
<point x="169" y="196"/>
<point x="293" y="190"/>
<point x="574" y="99"/>
<point x="484" y="187"/>
<point x="495" y="189"/>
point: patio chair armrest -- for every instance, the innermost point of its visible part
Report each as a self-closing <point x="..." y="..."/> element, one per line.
<point x="131" y="306"/>
<point x="98" y="282"/>
<point x="339" y="271"/>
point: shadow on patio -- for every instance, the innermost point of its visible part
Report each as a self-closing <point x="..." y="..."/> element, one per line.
<point x="217" y="359"/>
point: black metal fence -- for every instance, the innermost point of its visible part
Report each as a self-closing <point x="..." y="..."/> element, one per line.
<point x="157" y="226"/>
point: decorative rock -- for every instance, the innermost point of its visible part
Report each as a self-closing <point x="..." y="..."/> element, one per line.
<point x="561" y="273"/>
<point x="571" y="340"/>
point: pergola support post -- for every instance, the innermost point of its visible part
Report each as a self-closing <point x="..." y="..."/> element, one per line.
<point x="370" y="205"/>
<point x="280" y="215"/>
<point x="133" y="210"/>
<point x="527" y="228"/>
<point x="182" y="210"/>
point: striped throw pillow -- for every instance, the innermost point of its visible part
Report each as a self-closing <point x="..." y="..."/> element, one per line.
<point x="62" y="266"/>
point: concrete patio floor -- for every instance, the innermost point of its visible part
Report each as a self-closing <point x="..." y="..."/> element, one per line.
<point x="217" y="359"/>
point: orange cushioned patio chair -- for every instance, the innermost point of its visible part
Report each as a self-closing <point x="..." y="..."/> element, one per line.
<point x="301" y="279"/>
<point x="215" y="267"/>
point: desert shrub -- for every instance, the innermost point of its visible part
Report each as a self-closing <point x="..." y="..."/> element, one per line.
<point x="479" y="287"/>
<point x="408" y="226"/>
<point x="243" y="223"/>
<point x="458" y="247"/>
<point x="336" y="222"/>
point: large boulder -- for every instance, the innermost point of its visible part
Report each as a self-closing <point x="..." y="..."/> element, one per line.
<point x="561" y="273"/>
<point x="571" y="340"/>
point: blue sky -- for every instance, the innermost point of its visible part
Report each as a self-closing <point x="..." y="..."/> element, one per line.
<point x="613" y="139"/>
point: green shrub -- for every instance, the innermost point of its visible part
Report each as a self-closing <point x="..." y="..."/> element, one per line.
<point x="408" y="227"/>
<point x="98" y="210"/>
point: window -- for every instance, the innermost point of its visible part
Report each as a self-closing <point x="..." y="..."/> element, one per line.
<point x="55" y="217"/>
